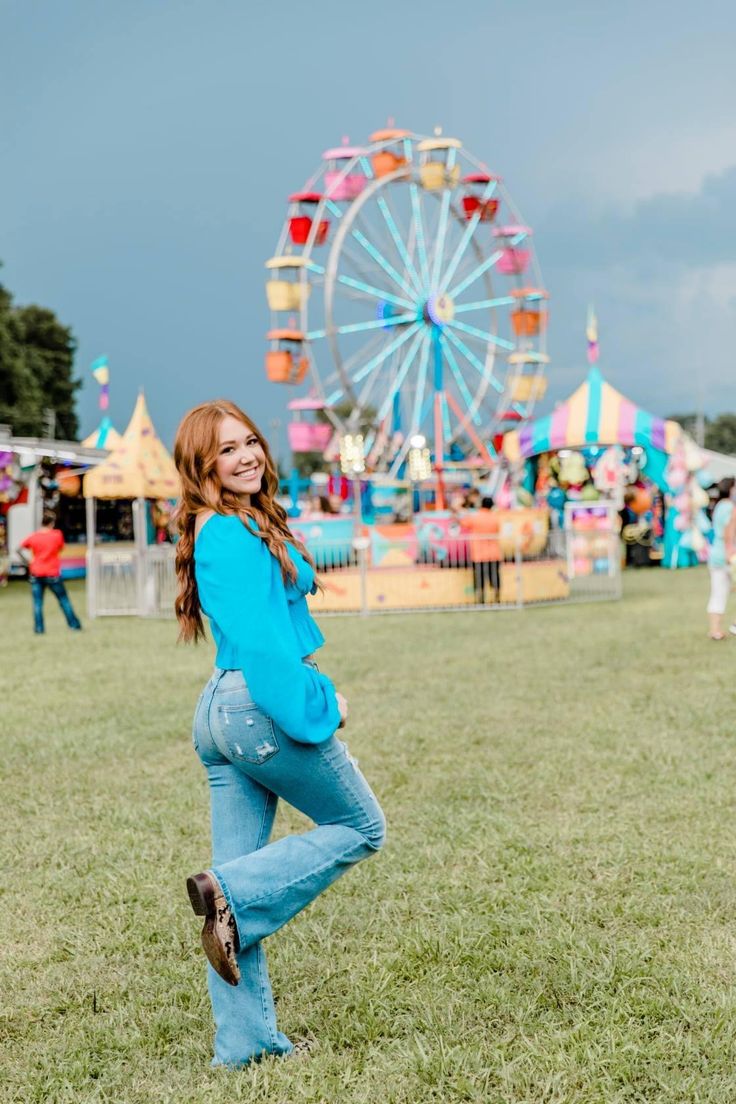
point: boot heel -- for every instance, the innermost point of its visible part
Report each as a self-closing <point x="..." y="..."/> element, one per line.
<point x="199" y="888"/>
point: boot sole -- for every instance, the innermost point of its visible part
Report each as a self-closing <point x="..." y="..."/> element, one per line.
<point x="201" y="895"/>
<point x="202" y="899"/>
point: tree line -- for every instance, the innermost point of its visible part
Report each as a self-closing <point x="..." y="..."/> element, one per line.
<point x="37" y="384"/>
<point x="719" y="434"/>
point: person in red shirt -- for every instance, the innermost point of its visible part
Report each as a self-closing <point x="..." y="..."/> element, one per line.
<point x="45" y="571"/>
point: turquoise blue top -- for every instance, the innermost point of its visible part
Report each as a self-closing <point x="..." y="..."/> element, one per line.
<point x="721" y="517"/>
<point x="262" y="626"/>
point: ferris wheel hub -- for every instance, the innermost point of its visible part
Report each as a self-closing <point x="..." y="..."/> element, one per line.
<point x="439" y="310"/>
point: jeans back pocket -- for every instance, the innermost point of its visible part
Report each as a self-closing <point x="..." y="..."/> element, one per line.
<point x="247" y="733"/>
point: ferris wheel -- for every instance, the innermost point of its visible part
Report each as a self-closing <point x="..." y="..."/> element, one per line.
<point x="405" y="281"/>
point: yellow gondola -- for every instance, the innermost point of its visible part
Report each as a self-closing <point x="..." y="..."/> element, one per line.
<point x="287" y="291"/>
<point x="437" y="169"/>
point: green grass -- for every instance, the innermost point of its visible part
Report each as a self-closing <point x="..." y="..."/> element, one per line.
<point x="552" y="919"/>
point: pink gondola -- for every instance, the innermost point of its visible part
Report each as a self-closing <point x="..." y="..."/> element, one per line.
<point x="305" y="436"/>
<point x="514" y="259"/>
<point x="338" y="187"/>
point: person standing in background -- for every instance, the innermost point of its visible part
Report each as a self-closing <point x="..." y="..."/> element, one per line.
<point x="719" y="554"/>
<point x="44" y="570"/>
<point x="485" y="549"/>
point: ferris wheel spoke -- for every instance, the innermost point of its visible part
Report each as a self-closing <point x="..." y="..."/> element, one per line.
<point x="501" y="342"/>
<point x="475" y="273"/>
<point x="359" y="267"/>
<point x="439" y="248"/>
<point x="485" y="304"/>
<point x="377" y="293"/>
<point x="377" y="360"/>
<point x="399" y="378"/>
<point x="377" y="324"/>
<point x="381" y="260"/>
<point x="419" y="233"/>
<point x="372" y="380"/>
<point x="416" y="419"/>
<point x="466" y="237"/>
<point x="356" y="358"/>
<point x="415" y="422"/>
<point x="471" y="404"/>
<point x="473" y="359"/>
<point x="401" y="249"/>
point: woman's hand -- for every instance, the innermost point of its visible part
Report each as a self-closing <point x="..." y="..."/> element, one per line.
<point x="342" y="705"/>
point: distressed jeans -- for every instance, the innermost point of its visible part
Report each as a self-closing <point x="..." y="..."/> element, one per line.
<point x="250" y="763"/>
<point x="56" y="586"/>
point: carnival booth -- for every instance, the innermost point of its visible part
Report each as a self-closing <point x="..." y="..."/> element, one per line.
<point x="129" y="578"/>
<point x="599" y="447"/>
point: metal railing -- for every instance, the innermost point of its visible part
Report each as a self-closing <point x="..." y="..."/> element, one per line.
<point x="379" y="573"/>
<point x="131" y="582"/>
<point x="478" y="571"/>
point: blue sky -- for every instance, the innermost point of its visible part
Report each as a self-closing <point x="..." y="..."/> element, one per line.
<point x="147" y="149"/>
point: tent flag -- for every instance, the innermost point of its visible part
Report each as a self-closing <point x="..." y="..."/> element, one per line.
<point x="591" y="332"/>
<point x="101" y="372"/>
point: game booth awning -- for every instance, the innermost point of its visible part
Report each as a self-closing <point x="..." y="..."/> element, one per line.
<point x="597" y="414"/>
<point x="138" y="467"/>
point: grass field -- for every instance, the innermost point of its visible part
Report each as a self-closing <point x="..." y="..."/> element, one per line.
<point x="552" y="919"/>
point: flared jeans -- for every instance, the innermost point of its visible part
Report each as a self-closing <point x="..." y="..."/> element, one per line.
<point x="250" y="763"/>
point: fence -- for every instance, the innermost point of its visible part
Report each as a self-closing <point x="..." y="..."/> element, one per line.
<point x="131" y="582"/>
<point x="380" y="574"/>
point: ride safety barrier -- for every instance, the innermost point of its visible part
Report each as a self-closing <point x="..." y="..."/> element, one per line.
<point x="392" y="569"/>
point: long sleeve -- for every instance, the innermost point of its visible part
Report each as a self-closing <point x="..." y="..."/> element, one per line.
<point x="242" y="592"/>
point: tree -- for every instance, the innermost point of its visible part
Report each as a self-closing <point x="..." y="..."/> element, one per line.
<point x="689" y="422"/>
<point x="720" y="434"/>
<point x="36" y="370"/>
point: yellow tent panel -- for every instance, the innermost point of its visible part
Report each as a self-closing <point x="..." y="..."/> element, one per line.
<point x="138" y="467"/>
<point x="104" y="437"/>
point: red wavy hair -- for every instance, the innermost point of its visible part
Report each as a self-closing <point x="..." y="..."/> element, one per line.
<point x="195" y="454"/>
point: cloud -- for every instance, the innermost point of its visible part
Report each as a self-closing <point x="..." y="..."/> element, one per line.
<point x="672" y="229"/>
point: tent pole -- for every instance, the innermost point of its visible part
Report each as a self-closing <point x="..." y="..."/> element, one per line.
<point x="91" y="581"/>
<point x="140" y="536"/>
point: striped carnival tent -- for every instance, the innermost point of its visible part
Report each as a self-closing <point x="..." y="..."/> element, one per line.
<point x="599" y="415"/>
<point x="595" y="414"/>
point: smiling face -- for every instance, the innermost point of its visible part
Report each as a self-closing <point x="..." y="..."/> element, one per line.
<point x="241" y="461"/>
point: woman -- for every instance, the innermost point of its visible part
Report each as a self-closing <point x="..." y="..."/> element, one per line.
<point x="264" y="724"/>
<point x="719" y="555"/>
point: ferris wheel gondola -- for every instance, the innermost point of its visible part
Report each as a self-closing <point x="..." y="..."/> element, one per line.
<point x="420" y="302"/>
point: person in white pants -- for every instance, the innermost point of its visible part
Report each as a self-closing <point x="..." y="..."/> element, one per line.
<point x="719" y="556"/>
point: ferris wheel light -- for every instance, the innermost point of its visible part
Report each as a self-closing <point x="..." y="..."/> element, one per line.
<point x="418" y="441"/>
<point x="352" y="454"/>
<point x="420" y="462"/>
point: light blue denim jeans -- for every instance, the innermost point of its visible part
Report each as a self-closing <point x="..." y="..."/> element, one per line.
<point x="250" y="763"/>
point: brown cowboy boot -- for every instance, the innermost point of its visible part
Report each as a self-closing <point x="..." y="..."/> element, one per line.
<point x="220" y="933"/>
